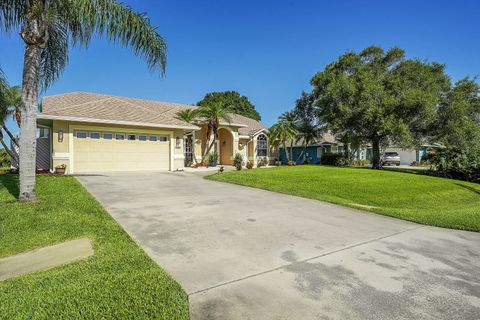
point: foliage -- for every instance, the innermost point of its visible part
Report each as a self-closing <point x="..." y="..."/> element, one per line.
<point x="240" y="104"/>
<point x="213" y="157"/>
<point x="212" y="113"/>
<point x="305" y="110"/>
<point x="71" y="23"/>
<point x="360" y="163"/>
<point x="284" y="131"/>
<point x="221" y="169"/>
<point x="415" y="197"/>
<point x="187" y="115"/>
<point x="4" y="158"/>
<point x="332" y="159"/>
<point x="380" y="97"/>
<point x="249" y="164"/>
<point x="119" y="281"/>
<point x="238" y="161"/>
<point x="457" y="165"/>
<point x="291" y="163"/>
<point x="61" y="166"/>
<point x="261" y="162"/>
<point x="458" y="131"/>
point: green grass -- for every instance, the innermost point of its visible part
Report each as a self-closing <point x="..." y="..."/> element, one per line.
<point x="118" y="282"/>
<point x="414" y="197"/>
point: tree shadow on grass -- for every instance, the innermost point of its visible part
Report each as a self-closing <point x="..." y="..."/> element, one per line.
<point x="474" y="190"/>
<point x="10" y="182"/>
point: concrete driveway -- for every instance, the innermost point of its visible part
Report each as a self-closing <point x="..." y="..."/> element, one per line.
<point x="244" y="253"/>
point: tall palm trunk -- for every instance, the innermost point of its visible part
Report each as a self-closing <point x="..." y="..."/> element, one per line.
<point x="286" y="151"/>
<point x="27" y="154"/>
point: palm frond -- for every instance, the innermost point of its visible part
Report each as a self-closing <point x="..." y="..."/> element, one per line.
<point x="12" y="14"/>
<point x="187" y="115"/>
<point x="54" y="56"/>
<point x="121" y="24"/>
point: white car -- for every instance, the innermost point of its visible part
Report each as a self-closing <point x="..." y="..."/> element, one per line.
<point x="389" y="158"/>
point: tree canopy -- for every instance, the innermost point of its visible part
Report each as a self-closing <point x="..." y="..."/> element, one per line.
<point x="240" y="104"/>
<point x="380" y="97"/>
<point x="458" y="131"/>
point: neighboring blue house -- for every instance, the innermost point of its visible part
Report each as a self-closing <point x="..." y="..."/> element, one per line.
<point x="327" y="143"/>
<point x="313" y="152"/>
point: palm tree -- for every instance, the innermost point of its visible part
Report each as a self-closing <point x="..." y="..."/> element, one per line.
<point x="9" y="103"/>
<point x="273" y="142"/>
<point x="189" y="116"/>
<point x="307" y="133"/>
<point x="212" y="113"/>
<point x="48" y="28"/>
<point x="285" y="131"/>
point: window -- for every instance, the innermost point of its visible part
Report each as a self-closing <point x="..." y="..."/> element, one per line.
<point x="42" y="132"/>
<point x="163" y="138"/>
<point x="94" y="135"/>
<point x="131" y="137"/>
<point x="81" y="135"/>
<point x="262" y="146"/>
<point x="119" y="136"/>
<point x="152" y="138"/>
<point x="142" y="138"/>
<point x="107" y="136"/>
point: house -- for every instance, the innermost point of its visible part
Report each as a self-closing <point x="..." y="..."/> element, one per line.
<point x="313" y="151"/>
<point x="327" y="143"/>
<point x="90" y="132"/>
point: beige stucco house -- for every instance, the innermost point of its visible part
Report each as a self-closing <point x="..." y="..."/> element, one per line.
<point x="91" y="132"/>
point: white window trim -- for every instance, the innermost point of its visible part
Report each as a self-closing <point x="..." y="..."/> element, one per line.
<point x="78" y="131"/>
<point x="124" y="136"/>
<point x="110" y="133"/>
<point x="99" y="135"/>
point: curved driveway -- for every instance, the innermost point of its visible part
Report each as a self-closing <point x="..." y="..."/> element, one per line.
<point x="244" y="253"/>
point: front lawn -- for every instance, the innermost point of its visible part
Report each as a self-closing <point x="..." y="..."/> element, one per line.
<point x="415" y="197"/>
<point x="118" y="282"/>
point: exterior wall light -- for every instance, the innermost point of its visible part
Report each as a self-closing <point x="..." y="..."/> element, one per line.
<point x="60" y="135"/>
<point x="177" y="142"/>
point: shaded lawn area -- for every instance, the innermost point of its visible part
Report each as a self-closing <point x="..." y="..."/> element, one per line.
<point x="414" y="197"/>
<point x="118" y="282"/>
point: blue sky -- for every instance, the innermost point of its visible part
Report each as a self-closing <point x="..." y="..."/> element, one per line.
<point x="266" y="50"/>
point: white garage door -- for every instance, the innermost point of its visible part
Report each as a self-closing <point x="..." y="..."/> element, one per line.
<point x="117" y="151"/>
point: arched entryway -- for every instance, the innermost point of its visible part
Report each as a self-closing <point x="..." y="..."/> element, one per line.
<point x="225" y="139"/>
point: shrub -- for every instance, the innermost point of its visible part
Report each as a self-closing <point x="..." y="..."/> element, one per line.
<point x="291" y="163"/>
<point x="332" y="159"/>
<point x="454" y="164"/>
<point x="213" y="157"/>
<point x="249" y="164"/>
<point x="221" y="169"/>
<point x="238" y="161"/>
<point x="360" y="163"/>
<point x="262" y="162"/>
<point x="4" y="158"/>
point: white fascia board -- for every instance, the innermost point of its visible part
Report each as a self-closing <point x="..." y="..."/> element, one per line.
<point x="119" y="122"/>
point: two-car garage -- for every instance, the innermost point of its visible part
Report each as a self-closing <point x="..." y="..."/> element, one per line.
<point x="106" y="149"/>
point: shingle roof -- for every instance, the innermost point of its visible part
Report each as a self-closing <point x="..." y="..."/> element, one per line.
<point x="103" y="107"/>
